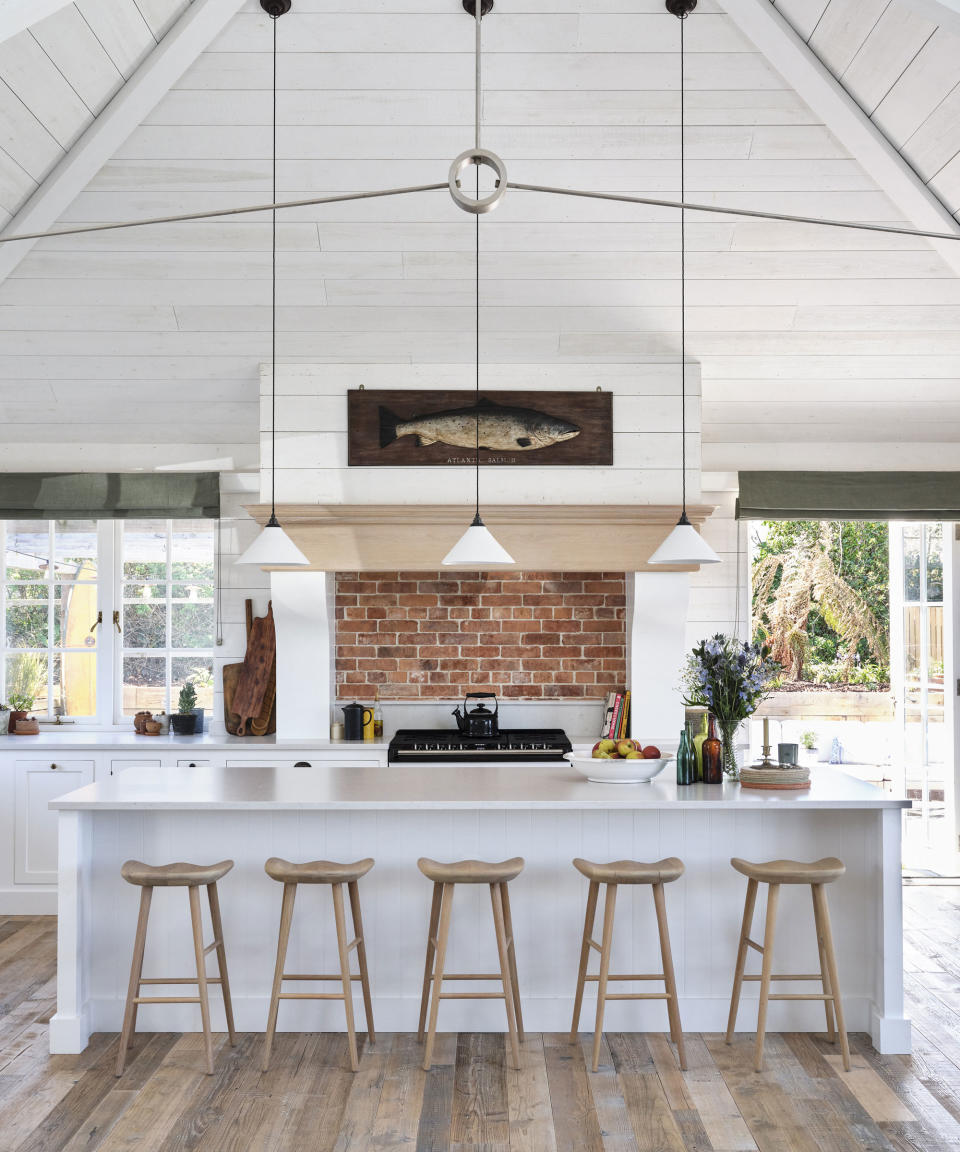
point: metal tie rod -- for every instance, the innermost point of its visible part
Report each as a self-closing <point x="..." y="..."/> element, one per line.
<point x="720" y="211"/>
<point x="213" y="214"/>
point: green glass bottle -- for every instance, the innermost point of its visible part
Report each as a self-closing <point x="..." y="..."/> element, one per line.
<point x="698" y="744"/>
<point x="686" y="758"/>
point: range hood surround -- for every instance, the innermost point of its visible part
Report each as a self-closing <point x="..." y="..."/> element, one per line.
<point x="540" y="537"/>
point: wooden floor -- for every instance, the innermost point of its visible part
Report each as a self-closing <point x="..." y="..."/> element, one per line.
<point x="473" y="1099"/>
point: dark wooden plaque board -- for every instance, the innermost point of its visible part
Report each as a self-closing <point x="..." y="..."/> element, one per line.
<point x="377" y="432"/>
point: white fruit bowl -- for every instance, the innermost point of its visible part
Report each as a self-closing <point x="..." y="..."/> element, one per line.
<point x="617" y="771"/>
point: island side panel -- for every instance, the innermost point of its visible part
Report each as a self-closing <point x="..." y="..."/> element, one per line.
<point x="890" y="1030"/>
<point x="548" y="899"/>
<point x="70" y="1025"/>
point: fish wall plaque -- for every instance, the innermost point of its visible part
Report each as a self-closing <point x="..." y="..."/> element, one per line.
<point x="401" y="427"/>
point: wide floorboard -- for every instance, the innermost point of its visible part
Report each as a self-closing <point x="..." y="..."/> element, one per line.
<point x="639" y="1101"/>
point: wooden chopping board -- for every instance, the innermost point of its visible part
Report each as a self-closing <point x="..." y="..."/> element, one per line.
<point x="249" y="688"/>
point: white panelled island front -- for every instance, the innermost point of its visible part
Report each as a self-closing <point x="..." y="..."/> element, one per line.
<point x="544" y="813"/>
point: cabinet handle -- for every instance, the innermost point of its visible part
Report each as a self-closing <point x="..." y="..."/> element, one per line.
<point x="53" y="767"/>
<point x="303" y="764"/>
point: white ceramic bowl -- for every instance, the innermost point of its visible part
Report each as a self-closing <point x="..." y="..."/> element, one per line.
<point x="617" y="771"/>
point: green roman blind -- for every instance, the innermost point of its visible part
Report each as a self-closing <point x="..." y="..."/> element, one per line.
<point x="109" y="495"/>
<point x="849" y="496"/>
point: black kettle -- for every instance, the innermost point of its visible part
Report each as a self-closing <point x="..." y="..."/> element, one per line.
<point x="478" y="722"/>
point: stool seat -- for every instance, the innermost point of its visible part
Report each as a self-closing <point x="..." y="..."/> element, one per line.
<point x="177" y="875"/>
<point x="316" y="871"/>
<point x="631" y="871"/>
<point x="471" y="871"/>
<point x="791" y="871"/>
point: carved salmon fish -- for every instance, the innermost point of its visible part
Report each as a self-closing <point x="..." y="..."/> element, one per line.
<point x="502" y="429"/>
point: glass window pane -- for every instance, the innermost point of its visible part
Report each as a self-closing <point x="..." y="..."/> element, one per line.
<point x="199" y="671"/>
<point x="911" y="562"/>
<point x="144" y="684"/>
<point x="27" y="625"/>
<point x="28" y="549"/>
<point x="191" y="626"/>
<point x="28" y="591"/>
<point x="145" y="550"/>
<point x="75" y="549"/>
<point x="27" y="681"/>
<point x="75" y="615"/>
<point x="75" y="684"/>
<point x="144" y="591"/>
<point x="144" y="626"/>
<point x="934" y="536"/>
<point x="912" y="643"/>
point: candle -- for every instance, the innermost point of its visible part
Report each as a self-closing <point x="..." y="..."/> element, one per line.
<point x="766" y="735"/>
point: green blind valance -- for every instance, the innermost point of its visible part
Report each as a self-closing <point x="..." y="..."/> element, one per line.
<point x="109" y="495"/>
<point x="849" y="496"/>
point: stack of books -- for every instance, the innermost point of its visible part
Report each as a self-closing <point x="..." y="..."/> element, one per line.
<point x="616" y="716"/>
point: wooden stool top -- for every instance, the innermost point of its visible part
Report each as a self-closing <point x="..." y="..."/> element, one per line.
<point x="631" y="871"/>
<point x="316" y="871"/>
<point x="792" y="871"/>
<point x="173" y="875"/>
<point x="471" y="871"/>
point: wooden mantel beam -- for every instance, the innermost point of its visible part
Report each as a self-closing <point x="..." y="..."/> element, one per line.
<point x="545" y="538"/>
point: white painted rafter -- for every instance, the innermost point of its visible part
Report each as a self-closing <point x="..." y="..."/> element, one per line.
<point x="16" y="15"/>
<point x="181" y="46"/>
<point x="945" y="12"/>
<point x="813" y="82"/>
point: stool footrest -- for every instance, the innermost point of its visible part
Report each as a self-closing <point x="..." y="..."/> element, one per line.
<point x="295" y="976"/>
<point x="629" y="976"/>
<point x="805" y="976"/>
<point x="468" y="976"/>
<point x="177" y="980"/>
<point x="638" y="996"/>
<point x="800" y="996"/>
<point x="472" y="996"/>
<point x="166" y="1000"/>
<point x="309" y="995"/>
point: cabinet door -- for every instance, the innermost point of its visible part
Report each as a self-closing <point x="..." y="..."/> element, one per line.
<point x="35" y="835"/>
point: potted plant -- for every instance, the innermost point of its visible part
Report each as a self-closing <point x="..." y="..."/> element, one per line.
<point x="184" y="720"/>
<point x="20" y="704"/>
<point x="809" y="741"/>
<point x="201" y="678"/>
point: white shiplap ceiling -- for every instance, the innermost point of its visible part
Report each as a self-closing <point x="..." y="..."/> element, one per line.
<point x="816" y="346"/>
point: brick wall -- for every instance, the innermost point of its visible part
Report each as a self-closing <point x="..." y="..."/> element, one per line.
<point x="523" y="635"/>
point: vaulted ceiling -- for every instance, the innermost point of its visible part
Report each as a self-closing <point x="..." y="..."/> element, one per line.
<point x="818" y="347"/>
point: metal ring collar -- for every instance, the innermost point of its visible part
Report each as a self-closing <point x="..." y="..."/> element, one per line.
<point x="484" y="203"/>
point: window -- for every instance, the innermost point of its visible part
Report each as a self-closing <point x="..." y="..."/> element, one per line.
<point x="103" y="618"/>
<point x="167" y="592"/>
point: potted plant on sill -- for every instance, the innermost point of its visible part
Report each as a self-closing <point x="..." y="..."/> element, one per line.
<point x="184" y="720"/>
<point x="809" y="741"/>
<point x="20" y="705"/>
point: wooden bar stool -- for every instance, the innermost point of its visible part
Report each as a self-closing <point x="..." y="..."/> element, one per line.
<point x="191" y="877"/>
<point x="445" y="877"/>
<point x="774" y="873"/>
<point x="336" y="875"/>
<point x="626" y="872"/>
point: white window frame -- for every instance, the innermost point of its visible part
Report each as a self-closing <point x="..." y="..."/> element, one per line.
<point x="110" y="648"/>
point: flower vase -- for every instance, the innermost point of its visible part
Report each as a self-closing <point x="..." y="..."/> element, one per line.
<point x="728" y="735"/>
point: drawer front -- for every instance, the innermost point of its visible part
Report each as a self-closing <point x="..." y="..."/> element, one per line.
<point x="193" y="763"/>
<point x="35" y="832"/>
<point x="127" y="762"/>
<point x="314" y="762"/>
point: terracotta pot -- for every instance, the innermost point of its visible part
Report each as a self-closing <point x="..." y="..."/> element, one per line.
<point x="14" y="717"/>
<point x="140" y="721"/>
<point x="152" y="728"/>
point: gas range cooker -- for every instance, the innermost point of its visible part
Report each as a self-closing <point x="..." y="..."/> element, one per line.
<point x="423" y="745"/>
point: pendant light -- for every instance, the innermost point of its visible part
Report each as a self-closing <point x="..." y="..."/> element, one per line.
<point x="477" y="547"/>
<point x="684" y="545"/>
<point x="273" y="548"/>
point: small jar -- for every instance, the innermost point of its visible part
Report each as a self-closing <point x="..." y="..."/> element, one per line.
<point x="336" y="730"/>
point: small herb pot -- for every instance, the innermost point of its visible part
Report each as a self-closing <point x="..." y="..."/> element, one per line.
<point x="183" y="724"/>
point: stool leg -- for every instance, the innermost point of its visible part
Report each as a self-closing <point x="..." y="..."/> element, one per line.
<point x="197" y="921"/>
<point x="512" y="956"/>
<point x="773" y="895"/>
<point x="345" y="972"/>
<point x="354" y="891"/>
<point x="608" y="910"/>
<point x="669" y="979"/>
<point x="496" y="898"/>
<point x="286" y="919"/>
<point x="217" y="923"/>
<point x="824" y="973"/>
<point x="821" y="897"/>
<point x="741" y="956"/>
<point x="136" y="971"/>
<point x="584" y="955"/>
<point x="443" y="931"/>
<point x="431" y="952"/>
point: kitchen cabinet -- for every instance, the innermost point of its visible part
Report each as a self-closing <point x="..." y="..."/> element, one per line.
<point x="37" y="782"/>
<point x="116" y="766"/>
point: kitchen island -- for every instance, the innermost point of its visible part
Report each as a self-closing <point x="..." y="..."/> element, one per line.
<point x="546" y="813"/>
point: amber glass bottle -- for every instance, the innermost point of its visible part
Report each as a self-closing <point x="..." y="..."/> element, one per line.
<point x="712" y="755"/>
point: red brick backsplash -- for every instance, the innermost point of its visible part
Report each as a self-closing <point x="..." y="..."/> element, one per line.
<point x="523" y="635"/>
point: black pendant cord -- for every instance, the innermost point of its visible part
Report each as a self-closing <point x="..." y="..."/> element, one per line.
<point x="683" y="283"/>
<point x="273" y="304"/>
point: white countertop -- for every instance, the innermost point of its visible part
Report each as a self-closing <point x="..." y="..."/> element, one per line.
<point x="443" y="786"/>
<point x="68" y="738"/>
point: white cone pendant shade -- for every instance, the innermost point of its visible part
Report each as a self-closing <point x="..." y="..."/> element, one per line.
<point x="273" y="548"/>
<point x="684" y="545"/>
<point x="478" y="548"/>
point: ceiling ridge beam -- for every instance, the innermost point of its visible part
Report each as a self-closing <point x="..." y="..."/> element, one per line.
<point x="816" y="85"/>
<point x="18" y="15"/>
<point x="174" y="54"/>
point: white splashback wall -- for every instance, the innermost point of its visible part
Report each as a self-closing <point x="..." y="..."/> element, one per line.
<point x="312" y="436"/>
